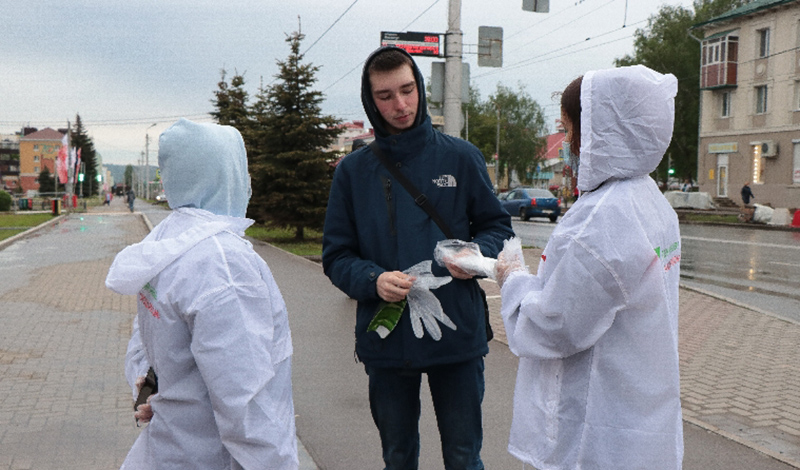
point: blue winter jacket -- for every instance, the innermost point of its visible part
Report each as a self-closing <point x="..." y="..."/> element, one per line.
<point x="373" y="225"/>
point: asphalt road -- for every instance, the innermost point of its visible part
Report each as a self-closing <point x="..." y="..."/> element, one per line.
<point x="754" y="267"/>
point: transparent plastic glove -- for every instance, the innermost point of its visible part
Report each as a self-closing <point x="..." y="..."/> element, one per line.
<point x="510" y="260"/>
<point x="464" y="255"/>
<point x="424" y="308"/>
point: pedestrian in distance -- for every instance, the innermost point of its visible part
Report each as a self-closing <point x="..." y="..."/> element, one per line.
<point x="596" y="328"/>
<point x="374" y="231"/>
<point x="131" y="196"/>
<point x="211" y="322"/>
<point x="747" y="193"/>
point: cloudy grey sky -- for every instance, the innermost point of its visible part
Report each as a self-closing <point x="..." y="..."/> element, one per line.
<point x="125" y="65"/>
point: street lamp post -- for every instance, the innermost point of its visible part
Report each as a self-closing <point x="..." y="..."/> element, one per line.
<point x="147" y="161"/>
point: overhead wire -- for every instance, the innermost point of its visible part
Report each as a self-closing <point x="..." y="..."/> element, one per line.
<point x="362" y="62"/>
<point x="331" y="26"/>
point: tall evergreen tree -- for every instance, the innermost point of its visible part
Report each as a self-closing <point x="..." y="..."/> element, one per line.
<point x="289" y="164"/>
<point x="79" y="139"/>
<point x="230" y="102"/>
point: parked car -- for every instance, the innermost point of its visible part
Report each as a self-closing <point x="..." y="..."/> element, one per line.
<point x="532" y="202"/>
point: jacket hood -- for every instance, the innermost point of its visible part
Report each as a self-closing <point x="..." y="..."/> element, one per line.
<point x="139" y="263"/>
<point x="627" y="116"/>
<point x="204" y="166"/>
<point x="373" y="114"/>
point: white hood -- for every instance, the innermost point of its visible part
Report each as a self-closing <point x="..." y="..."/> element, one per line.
<point x="137" y="264"/>
<point x="627" y="116"/>
<point x="204" y="166"/>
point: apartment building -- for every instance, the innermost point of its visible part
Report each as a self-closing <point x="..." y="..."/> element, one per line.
<point x="750" y="103"/>
<point x="37" y="151"/>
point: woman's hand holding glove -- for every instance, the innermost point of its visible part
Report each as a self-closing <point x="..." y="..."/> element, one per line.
<point x="510" y="260"/>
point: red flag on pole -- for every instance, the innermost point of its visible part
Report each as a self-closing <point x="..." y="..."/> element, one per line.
<point x="61" y="162"/>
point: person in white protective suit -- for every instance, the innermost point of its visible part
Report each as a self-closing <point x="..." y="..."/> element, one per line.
<point x="211" y="321"/>
<point x="596" y="328"/>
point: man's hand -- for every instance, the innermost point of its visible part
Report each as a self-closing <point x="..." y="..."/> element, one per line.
<point x="393" y="286"/>
<point x="144" y="413"/>
<point x="457" y="272"/>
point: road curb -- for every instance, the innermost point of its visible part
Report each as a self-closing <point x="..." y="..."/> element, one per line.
<point x="737" y="303"/>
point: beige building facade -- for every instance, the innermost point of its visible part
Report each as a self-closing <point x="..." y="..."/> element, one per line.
<point x="750" y="103"/>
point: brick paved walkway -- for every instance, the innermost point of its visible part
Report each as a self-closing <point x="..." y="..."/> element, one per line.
<point x="740" y="370"/>
<point x="64" y="403"/>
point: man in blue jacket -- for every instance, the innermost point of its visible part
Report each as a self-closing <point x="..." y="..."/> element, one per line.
<point x="374" y="231"/>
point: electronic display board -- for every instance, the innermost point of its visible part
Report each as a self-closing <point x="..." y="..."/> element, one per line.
<point x="425" y="44"/>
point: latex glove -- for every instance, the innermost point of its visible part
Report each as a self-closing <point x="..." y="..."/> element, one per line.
<point x="510" y="260"/>
<point x="424" y="308"/>
<point x="460" y="257"/>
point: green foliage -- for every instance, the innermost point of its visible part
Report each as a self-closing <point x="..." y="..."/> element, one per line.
<point x="129" y="176"/>
<point x="47" y="183"/>
<point x="23" y="220"/>
<point x="5" y="201"/>
<point x="79" y="139"/>
<point x="522" y="129"/>
<point x="287" y="138"/>
<point x="665" y="46"/>
<point x="285" y="239"/>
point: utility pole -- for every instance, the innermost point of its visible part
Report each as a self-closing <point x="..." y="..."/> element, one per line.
<point x="147" y="161"/>
<point x="497" y="151"/>
<point x="452" y="71"/>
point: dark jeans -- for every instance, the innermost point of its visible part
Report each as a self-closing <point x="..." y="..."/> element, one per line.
<point x="457" y="392"/>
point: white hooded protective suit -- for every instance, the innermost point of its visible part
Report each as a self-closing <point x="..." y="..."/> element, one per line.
<point x="596" y="329"/>
<point x="211" y="320"/>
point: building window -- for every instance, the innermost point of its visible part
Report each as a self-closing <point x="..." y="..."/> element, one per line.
<point x="36" y="158"/>
<point x="725" y="101"/>
<point x="796" y="169"/>
<point x="35" y="148"/>
<point x="797" y="95"/>
<point x="763" y="42"/>
<point x="761" y="99"/>
<point x="36" y="169"/>
<point x="758" y="165"/>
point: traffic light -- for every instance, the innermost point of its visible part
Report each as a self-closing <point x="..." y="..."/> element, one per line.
<point x="80" y="177"/>
<point x="99" y="178"/>
<point x="671" y="171"/>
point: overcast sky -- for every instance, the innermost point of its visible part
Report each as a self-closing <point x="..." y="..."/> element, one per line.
<point x="125" y="65"/>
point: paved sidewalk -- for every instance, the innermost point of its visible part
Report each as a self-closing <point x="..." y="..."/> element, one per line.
<point x="64" y="401"/>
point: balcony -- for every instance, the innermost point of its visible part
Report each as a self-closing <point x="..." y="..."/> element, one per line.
<point x="719" y="67"/>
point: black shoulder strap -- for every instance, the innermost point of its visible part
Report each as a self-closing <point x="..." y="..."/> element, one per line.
<point x="421" y="200"/>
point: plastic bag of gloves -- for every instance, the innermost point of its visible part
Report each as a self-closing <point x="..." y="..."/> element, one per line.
<point x="466" y="256"/>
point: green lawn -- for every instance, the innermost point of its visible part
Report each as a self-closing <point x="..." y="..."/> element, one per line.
<point x="12" y="224"/>
<point x="716" y="218"/>
<point x="284" y="239"/>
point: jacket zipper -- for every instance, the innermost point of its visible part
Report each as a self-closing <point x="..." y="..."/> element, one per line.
<point x="387" y="189"/>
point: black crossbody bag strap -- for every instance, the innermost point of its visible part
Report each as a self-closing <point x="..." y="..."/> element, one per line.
<point x="419" y="198"/>
<point x="423" y="202"/>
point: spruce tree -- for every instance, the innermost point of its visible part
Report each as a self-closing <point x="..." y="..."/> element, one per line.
<point x="230" y="102"/>
<point x="47" y="183"/>
<point x="289" y="135"/>
<point x="79" y="139"/>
